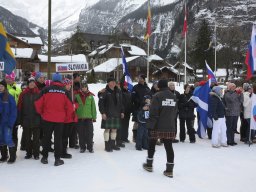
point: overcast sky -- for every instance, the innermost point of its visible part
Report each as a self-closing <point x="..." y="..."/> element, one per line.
<point x="36" y="11"/>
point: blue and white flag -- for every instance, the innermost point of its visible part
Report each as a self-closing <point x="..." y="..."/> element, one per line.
<point x="210" y="73"/>
<point x="201" y="98"/>
<point x="127" y="76"/>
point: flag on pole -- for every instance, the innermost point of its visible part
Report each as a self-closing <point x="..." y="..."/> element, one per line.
<point x="213" y="39"/>
<point x="148" y="30"/>
<point x="127" y="76"/>
<point x="253" y="112"/>
<point x="185" y="26"/>
<point x="210" y="73"/>
<point x="201" y="98"/>
<point x="250" y="59"/>
<point x="6" y="54"/>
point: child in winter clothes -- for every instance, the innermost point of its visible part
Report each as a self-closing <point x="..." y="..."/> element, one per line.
<point x="217" y="112"/>
<point x="87" y="114"/>
<point x="8" y="115"/>
<point x="142" y="132"/>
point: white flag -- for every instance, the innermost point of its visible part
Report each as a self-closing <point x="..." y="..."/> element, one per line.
<point x="253" y="112"/>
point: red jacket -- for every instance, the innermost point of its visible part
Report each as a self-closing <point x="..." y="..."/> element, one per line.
<point x="54" y="104"/>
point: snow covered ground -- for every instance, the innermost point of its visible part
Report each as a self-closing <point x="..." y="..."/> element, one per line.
<point x="198" y="168"/>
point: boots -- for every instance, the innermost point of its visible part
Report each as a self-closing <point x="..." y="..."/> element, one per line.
<point x="12" y="151"/>
<point x="58" y="162"/>
<point x="66" y="155"/>
<point x="107" y="146"/>
<point x="148" y="166"/>
<point x="113" y="145"/>
<point x="169" y="170"/>
<point x="3" y="154"/>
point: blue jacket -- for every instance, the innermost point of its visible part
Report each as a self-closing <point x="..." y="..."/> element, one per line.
<point x="217" y="107"/>
<point x="8" y="111"/>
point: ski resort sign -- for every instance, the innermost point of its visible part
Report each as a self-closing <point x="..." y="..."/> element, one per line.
<point x="69" y="67"/>
<point x="1" y="66"/>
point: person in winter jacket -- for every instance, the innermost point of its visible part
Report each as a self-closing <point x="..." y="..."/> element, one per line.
<point x="247" y="106"/>
<point x="112" y="110"/>
<point x="55" y="107"/>
<point x="142" y="132"/>
<point x="138" y="93"/>
<point x="87" y="114"/>
<point x="162" y="114"/>
<point x="127" y="103"/>
<point x="23" y="142"/>
<point x="8" y="115"/>
<point x="171" y="86"/>
<point x="233" y="100"/>
<point x="29" y="119"/>
<point x="15" y="91"/>
<point x="217" y="113"/>
<point x="186" y="114"/>
<point x="69" y="123"/>
<point x="40" y="80"/>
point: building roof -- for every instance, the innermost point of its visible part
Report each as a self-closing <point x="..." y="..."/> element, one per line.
<point x="80" y="58"/>
<point x="155" y="58"/>
<point x="111" y="64"/>
<point x="31" y="40"/>
<point x="25" y="53"/>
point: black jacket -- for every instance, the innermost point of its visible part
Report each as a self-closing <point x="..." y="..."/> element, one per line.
<point x="163" y="111"/>
<point x="127" y="102"/>
<point x="111" y="103"/>
<point x="138" y="93"/>
<point x="186" y="106"/>
<point x="176" y="93"/>
<point x="217" y="107"/>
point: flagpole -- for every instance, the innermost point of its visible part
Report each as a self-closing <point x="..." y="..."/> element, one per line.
<point x="148" y="63"/>
<point x="215" y="67"/>
<point x="185" y="48"/>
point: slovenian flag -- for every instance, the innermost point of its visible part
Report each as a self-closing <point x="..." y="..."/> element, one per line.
<point x="250" y="59"/>
<point x="201" y="98"/>
<point x="185" y="26"/>
<point x="127" y="76"/>
<point x="148" y="30"/>
<point x="6" y="54"/>
<point x="210" y="73"/>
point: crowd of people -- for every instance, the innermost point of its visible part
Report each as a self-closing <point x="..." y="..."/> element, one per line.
<point x="66" y="109"/>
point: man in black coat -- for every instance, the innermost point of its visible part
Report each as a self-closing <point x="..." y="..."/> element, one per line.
<point x="162" y="114"/>
<point x="186" y="114"/>
<point x="139" y="91"/>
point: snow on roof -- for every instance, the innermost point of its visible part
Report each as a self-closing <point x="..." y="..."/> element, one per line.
<point x="154" y="58"/>
<point x="169" y="68"/>
<point x="31" y="40"/>
<point x="111" y="64"/>
<point x="64" y="59"/>
<point x="188" y="66"/>
<point x="105" y="49"/>
<point x="25" y="53"/>
<point x="93" y="53"/>
<point x="175" y="49"/>
<point x="221" y="72"/>
<point x="137" y="51"/>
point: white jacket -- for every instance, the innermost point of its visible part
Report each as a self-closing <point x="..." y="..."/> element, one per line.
<point x="247" y="104"/>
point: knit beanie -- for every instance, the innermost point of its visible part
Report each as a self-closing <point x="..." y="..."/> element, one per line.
<point x="3" y="82"/>
<point x="217" y="90"/>
<point x="67" y="81"/>
<point x="246" y="86"/>
<point x="57" y="77"/>
<point x="38" y="75"/>
<point x="31" y="79"/>
<point x="11" y="76"/>
<point x="162" y="83"/>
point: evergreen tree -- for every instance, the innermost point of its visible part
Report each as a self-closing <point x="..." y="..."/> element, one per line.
<point x="200" y="51"/>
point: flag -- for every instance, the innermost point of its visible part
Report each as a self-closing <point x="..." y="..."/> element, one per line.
<point x="213" y="39"/>
<point x="201" y="98"/>
<point x="148" y="30"/>
<point x="6" y="54"/>
<point x="185" y="26"/>
<point x="210" y="73"/>
<point x="127" y="76"/>
<point x="253" y="112"/>
<point x="250" y="59"/>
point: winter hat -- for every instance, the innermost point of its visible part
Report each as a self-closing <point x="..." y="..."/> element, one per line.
<point x="246" y="86"/>
<point x="3" y="82"/>
<point x="11" y="76"/>
<point x="48" y="82"/>
<point x="110" y="79"/>
<point x="162" y="83"/>
<point x="57" y="77"/>
<point x="31" y="79"/>
<point x="217" y="90"/>
<point x="23" y="85"/>
<point x="67" y="81"/>
<point x="75" y="75"/>
<point x="143" y="76"/>
<point x="38" y="75"/>
<point x="84" y="84"/>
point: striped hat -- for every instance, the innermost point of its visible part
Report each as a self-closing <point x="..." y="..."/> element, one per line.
<point x="67" y="81"/>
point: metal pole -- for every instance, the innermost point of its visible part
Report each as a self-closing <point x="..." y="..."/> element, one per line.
<point x="215" y="67"/>
<point x="185" y="80"/>
<point x="49" y="39"/>
<point x="148" y="63"/>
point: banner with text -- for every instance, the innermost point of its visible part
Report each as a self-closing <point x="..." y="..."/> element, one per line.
<point x="69" y="67"/>
<point x="1" y="66"/>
